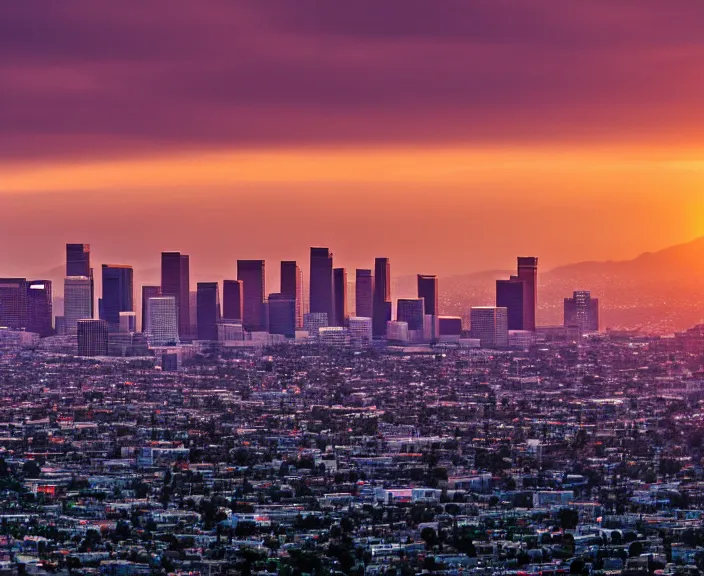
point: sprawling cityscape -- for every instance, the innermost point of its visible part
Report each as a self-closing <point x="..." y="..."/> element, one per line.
<point x="224" y="431"/>
<point x="352" y="288"/>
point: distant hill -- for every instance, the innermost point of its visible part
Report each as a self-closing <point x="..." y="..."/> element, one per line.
<point x="657" y="291"/>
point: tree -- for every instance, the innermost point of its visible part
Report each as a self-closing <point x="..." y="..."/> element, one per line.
<point x="31" y="469"/>
<point x="429" y="535"/>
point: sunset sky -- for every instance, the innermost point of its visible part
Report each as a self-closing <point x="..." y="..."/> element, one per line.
<point x="448" y="135"/>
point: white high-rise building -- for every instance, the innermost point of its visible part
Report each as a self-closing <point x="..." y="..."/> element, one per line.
<point x="163" y="321"/>
<point x="77" y="302"/>
<point x="489" y="324"/>
<point x="128" y="322"/>
<point x="360" y="329"/>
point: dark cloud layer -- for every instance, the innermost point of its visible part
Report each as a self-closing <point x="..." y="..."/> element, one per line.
<point x="83" y="77"/>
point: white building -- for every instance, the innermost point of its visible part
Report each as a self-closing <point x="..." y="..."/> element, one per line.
<point x="77" y="302"/>
<point x="333" y="335"/>
<point x="228" y="332"/>
<point x="490" y="325"/>
<point x="360" y="329"/>
<point x="163" y="321"/>
<point x="397" y="331"/>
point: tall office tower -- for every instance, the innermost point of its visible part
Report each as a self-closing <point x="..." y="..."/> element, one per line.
<point x="163" y="321"/>
<point x="92" y="337"/>
<point x="528" y="272"/>
<point x="128" y="322"/>
<point x="175" y="282"/>
<point x="364" y="293"/>
<point x="118" y="293"/>
<point x="78" y="264"/>
<point x="360" y="329"/>
<point x="282" y="315"/>
<point x="489" y="324"/>
<point x="147" y="293"/>
<point x="208" y="306"/>
<point x="321" y="289"/>
<point x="509" y="295"/>
<point x="232" y="300"/>
<point x="582" y="311"/>
<point x="411" y="311"/>
<point x="77" y="302"/>
<point x="252" y="275"/>
<point x="381" y="311"/>
<point x="313" y="322"/>
<point x="428" y="290"/>
<point x="339" y="283"/>
<point x="193" y="312"/>
<point x="13" y="303"/>
<point x="39" y="308"/>
<point x="292" y="286"/>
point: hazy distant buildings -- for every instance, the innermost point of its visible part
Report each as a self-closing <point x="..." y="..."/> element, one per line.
<point x="321" y="283"/>
<point x="175" y="282"/>
<point x="582" y="312"/>
<point x="340" y="295"/>
<point x="39" y="307"/>
<point x="364" y="293"/>
<point x="381" y="313"/>
<point x="489" y="324"/>
<point x="78" y="292"/>
<point x="147" y="293"/>
<point x="252" y="275"/>
<point x="118" y="293"/>
<point x="232" y="302"/>
<point x="92" y="337"/>
<point x="397" y="332"/>
<point x="292" y="286"/>
<point x="208" y="310"/>
<point x="163" y="321"/>
<point x="282" y="315"/>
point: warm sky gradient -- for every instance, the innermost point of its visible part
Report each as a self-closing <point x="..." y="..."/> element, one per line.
<point x="449" y="135"/>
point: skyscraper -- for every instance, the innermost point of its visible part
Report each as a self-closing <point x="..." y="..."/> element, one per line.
<point x="77" y="302"/>
<point x="489" y="324"/>
<point x="92" y="337"/>
<point x="118" y="293"/>
<point x="411" y="311"/>
<point x="321" y="289"/>
<point x="39" y="307"/>
<point x="232" y="300"/>
<point x="78" y="260"/>
<point x="528" y="273"/>
<point x="381" y="312"/>
<point x="208" y="306"/>
<point x="13" y="303"/>
<point x="282" y="315"/>
<point x="292" y="286"/>
<point x="428" y="290"/>
<point x="509" y="295"/>
<point x="582" y="311"/>
<point x="175" y="282"/>
<point x="340" y="296"/>
<point x="78" y="264"/>
<point x="163" y="321"/>
<point x="147" y="293"/>
<point x="364" y="293"/>
<point x="252" y="275"/>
